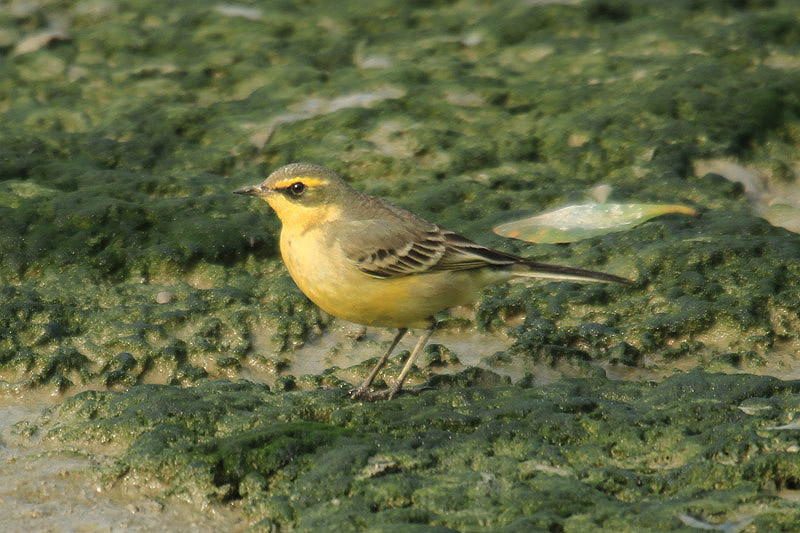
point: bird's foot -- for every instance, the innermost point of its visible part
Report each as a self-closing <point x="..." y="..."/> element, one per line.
<point x="359" y="393"/>
<point x="362" y="393"/>
<point x="385" y="394"/>
<point x="365" y="393"/>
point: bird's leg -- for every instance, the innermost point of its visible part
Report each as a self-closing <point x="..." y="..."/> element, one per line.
<point x="423" y="340"/>
<point x="363" y="389"/>
<point x="391" y="392"/>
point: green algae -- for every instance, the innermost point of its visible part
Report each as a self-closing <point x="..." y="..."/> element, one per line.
<point x="618" y="455"/>
<point x="125" y="260"/>
<point x="122" y="139"/>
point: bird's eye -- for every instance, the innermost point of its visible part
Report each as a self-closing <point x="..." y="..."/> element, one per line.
<point x="297" y="188"/>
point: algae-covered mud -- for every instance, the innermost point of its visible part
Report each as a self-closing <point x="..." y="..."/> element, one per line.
<point x="581" y="455"/>
<point x="151" y="305"/>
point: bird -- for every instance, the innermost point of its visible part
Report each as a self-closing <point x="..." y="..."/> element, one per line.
<point x="366" y="260"/>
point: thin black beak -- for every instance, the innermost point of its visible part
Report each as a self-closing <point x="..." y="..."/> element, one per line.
<point x="250" y="190"/>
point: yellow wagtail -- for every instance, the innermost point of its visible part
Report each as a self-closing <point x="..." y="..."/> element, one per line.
<point x="368" y="261"/>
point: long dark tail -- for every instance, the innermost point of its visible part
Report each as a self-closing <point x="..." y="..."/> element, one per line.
<point x="531" y="269"/>
<point x="467" y="254"/>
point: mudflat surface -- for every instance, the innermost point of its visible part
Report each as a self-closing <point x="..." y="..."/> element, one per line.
<point x="158" y="366"/>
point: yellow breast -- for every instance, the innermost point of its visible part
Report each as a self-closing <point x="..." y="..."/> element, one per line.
<point x="333" y="282"/>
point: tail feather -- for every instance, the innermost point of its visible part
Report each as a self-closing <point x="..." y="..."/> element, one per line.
<point x="532" y="269"/>
<point x="461" y="253"/>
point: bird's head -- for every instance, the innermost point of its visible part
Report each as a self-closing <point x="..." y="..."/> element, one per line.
<point x="302" y="194"/>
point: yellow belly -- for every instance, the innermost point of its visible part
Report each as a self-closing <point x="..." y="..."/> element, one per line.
<point x="335" y="284"/>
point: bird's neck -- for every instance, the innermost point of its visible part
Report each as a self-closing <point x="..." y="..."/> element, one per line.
<point x="299" y="221"/>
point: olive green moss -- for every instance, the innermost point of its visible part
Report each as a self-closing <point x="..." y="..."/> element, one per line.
<point x="577" y="454"/>
<point x="125" y="260"/>
<point x="121" y="141"/>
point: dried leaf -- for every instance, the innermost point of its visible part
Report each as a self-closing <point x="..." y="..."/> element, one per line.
<point x="576" y="222"/>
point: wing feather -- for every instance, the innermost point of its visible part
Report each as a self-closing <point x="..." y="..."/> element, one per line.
<point x="398" y="243"/>
<point x="382" y="250"/>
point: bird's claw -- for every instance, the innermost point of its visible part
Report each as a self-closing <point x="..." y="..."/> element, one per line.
<point x="359" y="393"/>
<point x="363" y="393"/>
